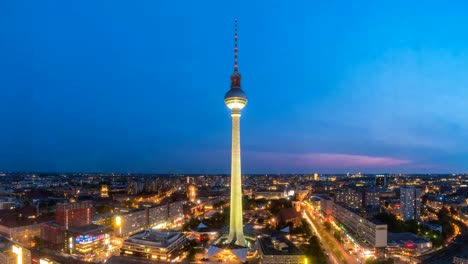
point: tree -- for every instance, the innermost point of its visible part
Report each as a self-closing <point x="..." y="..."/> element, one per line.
<point x="313" y="251"/>
<point x="37" y="241"/>
<point x="277" y="205"/>
<point x="103" y="209"/>
<point x="453" y="211"/>
<point x="191" y="224"/>
<point x="219" y="204"/>
<point x="218" y="219"/>
<point x="337" y="235"/>
<point x="394" y="225"/>
<point x="327" y="225"/>
<point x="444" y="219"/>
<point x="379" y="261"/>
<point x="191" y="252"/>
<point x="306" y="227"/>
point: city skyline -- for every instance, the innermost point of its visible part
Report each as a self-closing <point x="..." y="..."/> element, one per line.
<point x="136" y="88"/>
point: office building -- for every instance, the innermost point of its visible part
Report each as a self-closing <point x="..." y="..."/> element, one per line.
<point x="87" y="240"/>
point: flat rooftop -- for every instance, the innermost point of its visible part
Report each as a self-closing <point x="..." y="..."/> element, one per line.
<point x="155" y="238"/>
<point x="278" y="246"/>
<point x="405" y="237"/>
<point x="5" y="244"/>
<point x="88" y="229"/>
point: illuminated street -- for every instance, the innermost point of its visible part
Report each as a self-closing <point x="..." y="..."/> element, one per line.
<point x="333" y="250"/>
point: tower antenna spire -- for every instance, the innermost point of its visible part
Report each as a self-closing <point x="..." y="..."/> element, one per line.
<point x="235" y="45"/>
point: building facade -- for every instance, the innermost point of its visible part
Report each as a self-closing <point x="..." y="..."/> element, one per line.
<point x="155" y="245"/>
<point x="12" y="253"/>
<point x="410" y="203"/>
<point x="74" y="214"/>
<point x="139" y="220"/>
<point x="375" y="234"/>
<point x="351" y="197"/>
<point x="87" y="240"/>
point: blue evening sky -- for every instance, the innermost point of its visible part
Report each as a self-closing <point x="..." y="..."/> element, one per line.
<point x="138" y="86"/>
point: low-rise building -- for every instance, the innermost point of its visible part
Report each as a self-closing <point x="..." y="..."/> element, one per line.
<point x="460" y="259"/>
<point x="22" y="224"/>
<point x="155" y="245"/>
<point x="87" y="240"/>
<point x="326" y="206"/>
<point x="52" y="235"/>
<point x="269" y="195"/>
<point x="279" y="250"/>
<point x="11" y="252"/>
<point x="289" y="215"/>
<point x="408" y="243"/>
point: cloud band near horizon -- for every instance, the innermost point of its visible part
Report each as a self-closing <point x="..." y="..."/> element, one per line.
<point x="327" y="160"/>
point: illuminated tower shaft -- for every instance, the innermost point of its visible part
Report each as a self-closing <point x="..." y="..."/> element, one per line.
<point x="236" y="99"/>
<point x="236" y="229"/>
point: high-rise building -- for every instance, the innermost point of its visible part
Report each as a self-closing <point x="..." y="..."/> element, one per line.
<point x="381" y="181"/>
<point x="316" y="176"/>
<point x="192" y="193"/>
<point x="410" y="203"/>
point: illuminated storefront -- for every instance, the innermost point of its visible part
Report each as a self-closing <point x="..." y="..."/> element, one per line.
<point x="87" y="240"/>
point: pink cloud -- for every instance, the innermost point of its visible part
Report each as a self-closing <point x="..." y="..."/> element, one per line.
<point x="327" y="160"/>
<point x="425" y="166"/>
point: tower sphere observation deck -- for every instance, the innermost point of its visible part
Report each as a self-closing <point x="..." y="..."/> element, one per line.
<point x="235" y="99"/>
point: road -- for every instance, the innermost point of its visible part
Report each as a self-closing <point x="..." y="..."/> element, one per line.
<point x="446" y="254"/>
<point x="336" y="253"/>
